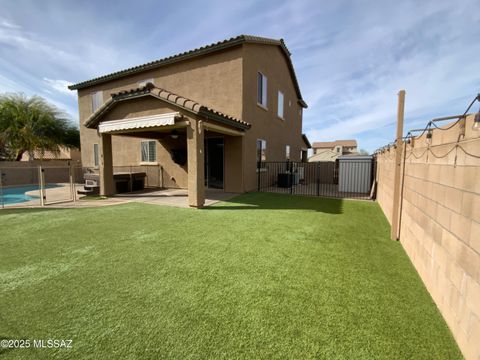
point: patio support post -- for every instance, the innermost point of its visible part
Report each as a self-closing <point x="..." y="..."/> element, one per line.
<point x="398" y="164"/>
<point x="196" y="159"/>
<point x="107" y="185"/>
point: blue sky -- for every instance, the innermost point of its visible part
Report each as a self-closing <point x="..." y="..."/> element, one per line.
<point x="351" y="57"/>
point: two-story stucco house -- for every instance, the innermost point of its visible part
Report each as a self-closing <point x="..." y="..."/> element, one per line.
<point x="214" y="110"/>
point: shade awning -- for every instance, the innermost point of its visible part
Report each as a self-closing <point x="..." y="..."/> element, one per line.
<point x="138" y="122"/>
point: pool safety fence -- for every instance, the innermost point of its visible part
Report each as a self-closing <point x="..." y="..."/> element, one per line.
<point x="26" y="185"/>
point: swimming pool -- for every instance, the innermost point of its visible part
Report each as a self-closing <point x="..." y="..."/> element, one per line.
<point x="16" y="194"/>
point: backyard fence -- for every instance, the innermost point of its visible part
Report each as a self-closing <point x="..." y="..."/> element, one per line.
<point x="348" y="177"/>
<point x="24" y="184"/>
<point x="438" y="216"/>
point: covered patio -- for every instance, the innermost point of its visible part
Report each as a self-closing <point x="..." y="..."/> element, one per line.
<point x="182" y="126"/>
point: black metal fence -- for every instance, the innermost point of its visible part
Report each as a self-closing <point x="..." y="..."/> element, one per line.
<point x="344" y="178"/>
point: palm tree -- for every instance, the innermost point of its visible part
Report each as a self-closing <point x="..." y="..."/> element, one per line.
<point x="29" y="124"/>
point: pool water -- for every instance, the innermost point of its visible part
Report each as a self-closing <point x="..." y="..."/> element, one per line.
<point x="16" y="195"/>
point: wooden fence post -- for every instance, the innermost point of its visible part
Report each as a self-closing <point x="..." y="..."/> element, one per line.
<point x="398" y="164"/>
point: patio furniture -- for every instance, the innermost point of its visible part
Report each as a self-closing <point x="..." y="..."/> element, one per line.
<point x="124" y="182"/>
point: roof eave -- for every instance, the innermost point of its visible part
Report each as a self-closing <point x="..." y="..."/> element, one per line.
<point x="302" y="103"/>
<point x="307" y="142"/>
<point x="213" y="116"/>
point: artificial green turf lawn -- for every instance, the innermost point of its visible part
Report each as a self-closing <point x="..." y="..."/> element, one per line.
<point x="262" y="276"/>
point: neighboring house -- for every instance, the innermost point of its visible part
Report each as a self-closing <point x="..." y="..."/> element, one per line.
<point x="331" y="150"/>
<point x="64" y="153"/>
<point x="207" y="116"/>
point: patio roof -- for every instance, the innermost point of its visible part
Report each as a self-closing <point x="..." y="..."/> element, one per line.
<point x="177" y="101"/>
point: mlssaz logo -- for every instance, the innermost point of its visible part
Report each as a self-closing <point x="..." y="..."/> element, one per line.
<point x="53" y="343"/>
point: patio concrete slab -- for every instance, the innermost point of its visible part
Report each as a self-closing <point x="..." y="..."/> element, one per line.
<point x="60" y="197"/>
<point x="173" y="197"/>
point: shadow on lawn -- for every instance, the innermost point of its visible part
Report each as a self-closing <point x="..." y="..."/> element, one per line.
<point x="268" y="201"/>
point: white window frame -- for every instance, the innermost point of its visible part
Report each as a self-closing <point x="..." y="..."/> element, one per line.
<point x="280" y="105"/>
<point x="145" y="82"/>
<point x="97" y="100"/>
<point x="287" y="152"/>
<point x="96" y="156"/>
<point x="148" y="149"/>
<point x="262" y="90"/>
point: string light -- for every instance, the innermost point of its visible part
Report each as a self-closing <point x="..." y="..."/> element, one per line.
<point x="429" y="136"/>
<point x="409" y="139"/>
<point x="476" y="122"/>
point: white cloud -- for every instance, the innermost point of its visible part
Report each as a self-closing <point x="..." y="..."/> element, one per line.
<point x="61" y="86"/>
<point x="8" y="85"/>
<point x="7" y="24"/>
<point x="353" y="79"/>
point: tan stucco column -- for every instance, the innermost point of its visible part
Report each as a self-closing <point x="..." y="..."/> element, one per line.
<point x="196" y="158"/>
<point x="107" y="185"/>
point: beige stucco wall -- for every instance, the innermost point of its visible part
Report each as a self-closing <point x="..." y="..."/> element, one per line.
<point x="233" y="161"/>
<point x="440" y="224"/>
<point x="266" y="125"/>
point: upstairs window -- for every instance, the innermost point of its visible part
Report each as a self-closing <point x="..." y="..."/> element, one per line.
<point x="145" y="82"/>
<point x="261" y="150"/>
<point x="97" y="100"/>
<point x="149" y="151"/>
<point x="287" y="152"/>
<point x="280" y="105"/>
<point x="262" y="89"/>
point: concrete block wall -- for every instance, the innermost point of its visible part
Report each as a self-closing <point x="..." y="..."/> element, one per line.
<point x="17" y="173"/>
<point x="440" y="222"/>
<point x="384" y="178"/>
